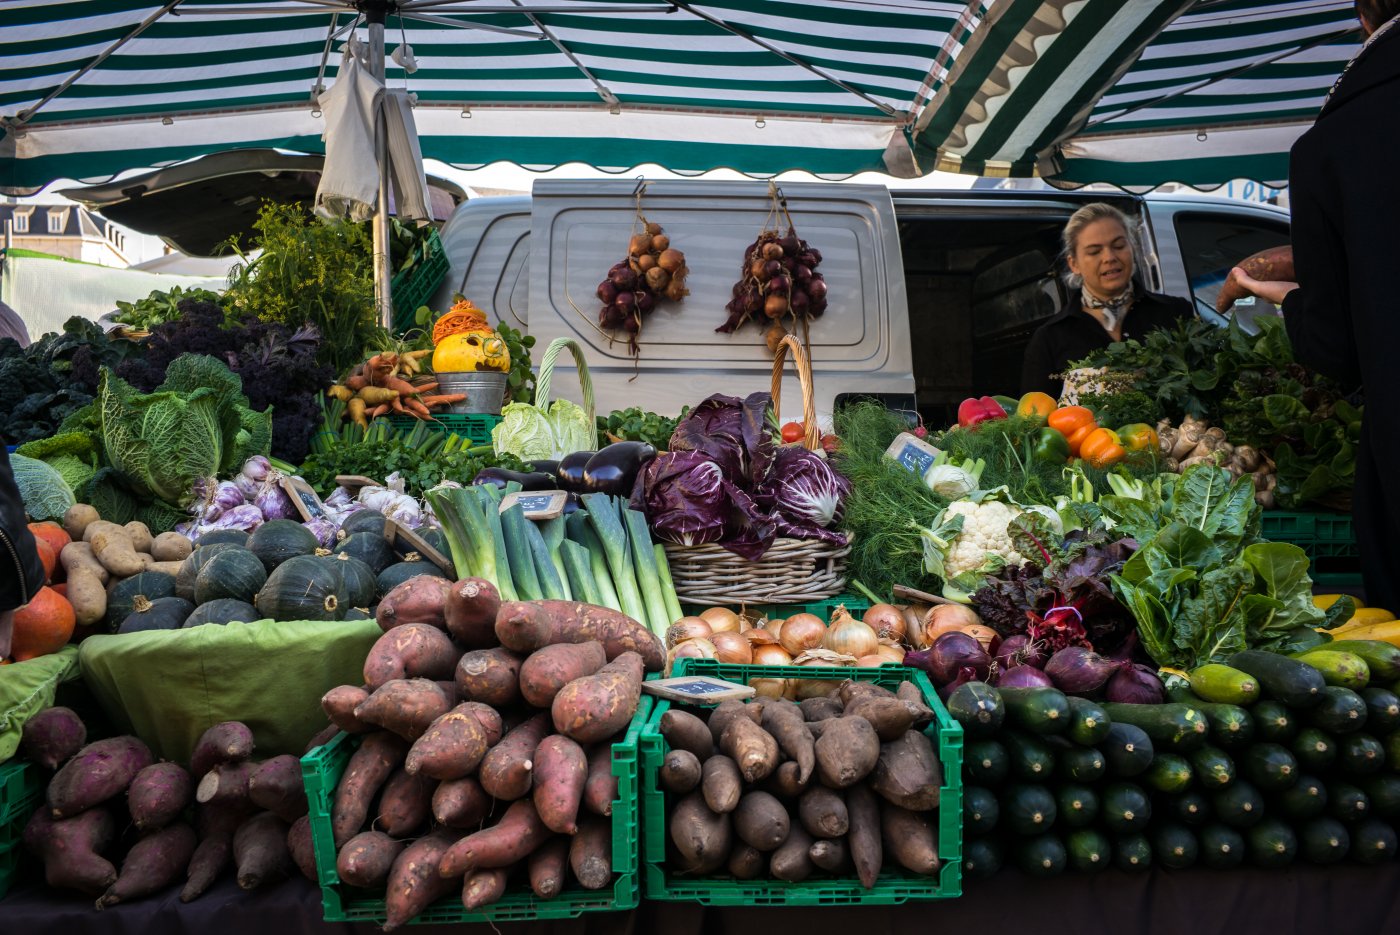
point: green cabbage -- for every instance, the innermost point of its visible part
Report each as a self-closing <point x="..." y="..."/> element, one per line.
<point x="72" y="454"/>
<point x="573" y="429"/>
<point x="532" y="434"/>
<point x="107" y="494"/>
<point x="45" y="493"/>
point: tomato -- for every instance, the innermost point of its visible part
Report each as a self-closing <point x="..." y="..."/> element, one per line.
<point x="830" y="443"/>
<point x="793" y="432"/>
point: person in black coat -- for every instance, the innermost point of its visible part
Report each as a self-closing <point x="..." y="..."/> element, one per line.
<point x="21" y="572"/>
<point x="1343" y="314"/>
<point x="1108" y="305"/>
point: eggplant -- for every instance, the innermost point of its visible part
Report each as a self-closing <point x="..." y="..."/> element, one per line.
<point x="500" y="477"/>
<point x="572" y="504"/>
<point x="570" y="471"/>
<point x="545" y="467"/>
<point x="614" y="470"/>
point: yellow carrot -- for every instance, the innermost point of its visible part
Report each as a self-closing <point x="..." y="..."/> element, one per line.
<point x="375" y="395"/>
<point x="357" y="413"/>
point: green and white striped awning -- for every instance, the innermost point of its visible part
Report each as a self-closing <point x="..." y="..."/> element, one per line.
<point x="762" y="86"/>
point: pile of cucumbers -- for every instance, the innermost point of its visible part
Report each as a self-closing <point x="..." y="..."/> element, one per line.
<point x="1267" y="760"/>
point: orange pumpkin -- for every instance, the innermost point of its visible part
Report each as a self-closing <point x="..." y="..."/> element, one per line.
<point x="52" y="533"/>
<point x="42" y="626"/>
<point x="46" y="556"/>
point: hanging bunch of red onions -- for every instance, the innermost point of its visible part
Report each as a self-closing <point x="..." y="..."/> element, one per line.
<point x="779" y="279"/>
<point x="653" y="272"/>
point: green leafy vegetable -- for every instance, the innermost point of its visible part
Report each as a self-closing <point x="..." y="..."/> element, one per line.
<point x="637" y="425"/>
<point x="45" y="493"/>
<point x="533" y="434"/>
<point x="159" y="307"/>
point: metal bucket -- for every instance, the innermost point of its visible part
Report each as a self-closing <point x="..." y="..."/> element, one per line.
<point x="485" y="391"/>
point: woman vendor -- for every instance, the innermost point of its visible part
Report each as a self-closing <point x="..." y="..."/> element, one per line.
<point x="1107" y="304"/>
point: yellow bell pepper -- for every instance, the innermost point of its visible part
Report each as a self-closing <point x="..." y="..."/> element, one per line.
<point x="1138" y="437"/>
<point x="1037" y="405"/>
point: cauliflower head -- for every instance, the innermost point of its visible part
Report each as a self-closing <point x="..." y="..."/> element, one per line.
<point x="971" y="540"/>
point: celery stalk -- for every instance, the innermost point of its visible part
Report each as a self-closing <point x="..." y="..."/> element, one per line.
<point x="618" y="552"/>
<point x="648" y="576"/>
<point x="668" y="587"/>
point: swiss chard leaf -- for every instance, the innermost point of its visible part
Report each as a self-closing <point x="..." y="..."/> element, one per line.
<point x="1281" y="570"/>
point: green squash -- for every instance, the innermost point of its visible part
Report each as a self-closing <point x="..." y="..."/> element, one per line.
<point x="121" y="600"/>
<point x="371" y="521"/>
<point x="189" y="569"/>
<point x="397" y="574"/>
<point x="280" y="539"/>
<point x="235" y="573"/>
<point x="303" y="588"/>
<point x="358" y="577"/>
<point x="369" y="548"/>
<point x="223" y="610"/>
<point x="436" y="538"/>
<point x="223" y="537"/>
<point x="166" y="613"/>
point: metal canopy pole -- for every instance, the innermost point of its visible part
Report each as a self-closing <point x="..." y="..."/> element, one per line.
<point x="375" y="14"/>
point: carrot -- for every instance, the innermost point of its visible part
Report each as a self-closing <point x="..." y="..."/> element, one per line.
<point x="395" y="383"/>
<point x="398" y="406"/>
<point x="356" y="383"/>
<point x="376" y="396"/>
<point x="416" y="408"/>
<point x="425" y="388"/>
<point x="357" y="412"/>
<point x="443" y="399"/>
<point x="339" y="392"/>
<point x="380" y="410"/>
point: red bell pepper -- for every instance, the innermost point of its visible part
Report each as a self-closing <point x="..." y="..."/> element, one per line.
<point x="976" y="411"/>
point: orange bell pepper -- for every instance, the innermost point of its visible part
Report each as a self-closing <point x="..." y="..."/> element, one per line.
<point x="1038" y="405"/>
<point x="1102" y="448"/>
<point x="1138" y="437"/>
<point x="1067" y="419"/>
<point x="1076" y="438"/>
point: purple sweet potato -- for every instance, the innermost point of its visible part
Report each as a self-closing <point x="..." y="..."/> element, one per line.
<point x="472" y="606"/>
<point x="405" y="804"/>
<point x="507" y="771"/>
<point x="561" y="769"/>
<point x="490" y="676"/>
<point x="405" y="706"/>
<point x="260" y="851"/>
<point x="367" y="858"/>
<point x="685" y="731"/>
<point x="421" y="599"/>
<point x="52" y="736"/>
<point x="410" y="651"/>
<point x="153" y="863"/>
<point x="71" y="849"/>
<point x="369" y="768"/>
<point x="414" y="880"/>
<point x="324" y="736"/>
<point x="590" y="853"/>
<point x="302" y="846"/>
<point x="598" y="706"/>
<point x="600" y="790"/>
<point x="546" y="867"/>
<point x="158" y="795"/>
<point x="100" y="771"/>
<point x="452" y="747"/>
<point x="548" y="670"/>
<point x="340" y="703"/>
<point x="226" y="742"/>
<point x="225" y="784"/>
<point x="703" y="839"/>
<point x="216" y="825"/>
<point x="276" y="786"/>
<point x="503" y="845"/>
<point x="526" y="626"/>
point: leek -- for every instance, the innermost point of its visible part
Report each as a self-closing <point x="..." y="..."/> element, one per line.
<point x="576" y="564"/>
<point x="550" y="582"/>
<point x="553" y="532"/>
<point x="522" y="564"/>
<point x="668" y="586"/>
<point x="648" y="575"/>
<point x="505" y="578"/>
<point x="618" y="552"/>
<point x="581" y="531"/>
<point x="468" y="535"/>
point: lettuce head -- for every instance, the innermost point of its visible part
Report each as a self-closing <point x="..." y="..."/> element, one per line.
<point x="533" y="434"/>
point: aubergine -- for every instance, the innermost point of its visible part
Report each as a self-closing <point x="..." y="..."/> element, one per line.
<point x="500" y="477"/>
<point x="614" y="470"/>
<point x="570" y="471"/>
<point x="545" y="467"/>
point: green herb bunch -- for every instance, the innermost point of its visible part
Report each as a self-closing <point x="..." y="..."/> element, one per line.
<point x="638" y="425"/>
<point x="420" y="470"/>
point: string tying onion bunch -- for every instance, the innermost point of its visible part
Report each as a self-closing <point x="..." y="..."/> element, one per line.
<point x="653" y="272"/>
<point x="778" y="281"/>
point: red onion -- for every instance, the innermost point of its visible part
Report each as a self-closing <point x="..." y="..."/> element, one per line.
<point x="965" y="674"/>
<point x="1020" y="650"/>
<point x="1078" y="671"/>
<point x="753" y="302"/>
<point x="645" y="302"/>
<point x="772" y="268"/>
<point x="1135" y="684"/>
<point x="607" y="292"/>
<point x="799" y="302"/>
<point x="802" y="273"/>
<point x="622" y="277"/>
<point x="1022" y="677"/>
<point x="790" y="244"/>
<point x="626" y="301"/>
<point x="818" y="307"/>
<point x="780" y="284"/>
<point x="631" y="324"/>
<point x="949" y="655"/>
<point x="816" y="287"/>
<point x="611" y="317"/>
<point x="788" y="263"/>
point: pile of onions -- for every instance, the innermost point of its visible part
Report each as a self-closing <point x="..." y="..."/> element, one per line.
<point x="654" y="271"/>
<point x="849" y="636"/>
<point x="779" y="279"/>
<point x="887" y="621"/>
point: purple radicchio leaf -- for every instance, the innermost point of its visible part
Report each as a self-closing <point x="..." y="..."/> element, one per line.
<point x="804" y="489"/>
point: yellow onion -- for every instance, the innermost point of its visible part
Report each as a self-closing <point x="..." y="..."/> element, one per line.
<point x="722" y="620"/>
<point x="732" y="647"/>
<point x="872" y="661"/>
<point x="887" y="621"/>
<point x="670" y="260"/>
<point x="645" y="262"/>
<point x="639" y="244"/>
<point x="687" y="628"/>
<point x="660" y="243"/>
<point x="891" y="652"/>
<point x="690" y="649"/>
<point x="982" y="634"/>
<point x="758" y="636"/>
<point x="850" y="637"/>
<point x="771" y="655"/>
<point x="819" y="658"/>
<point x="947" y="618"/>
<point x="914" y="616"/>
<point x="802" y="632"/>
<point x="770" y="688"/>
<point x="775" y="627"/>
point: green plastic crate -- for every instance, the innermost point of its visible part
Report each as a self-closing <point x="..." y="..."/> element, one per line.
<point x="416" y="285"/>
<point x="321" y="769"/>
<point x="1321" y="535"/>
<point x="894" y="885"/>
<point x="854" y="604"/>
<point x="21" y="789"/>
<point x="474" y="428"/>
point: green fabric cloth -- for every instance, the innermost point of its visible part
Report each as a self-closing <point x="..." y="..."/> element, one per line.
<point x="169" y="686"/>
<point x="26" y="688"/>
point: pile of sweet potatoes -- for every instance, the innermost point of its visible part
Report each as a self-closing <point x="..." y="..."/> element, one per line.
<point x="485" y="733"/>
<point x="837" y="785"/>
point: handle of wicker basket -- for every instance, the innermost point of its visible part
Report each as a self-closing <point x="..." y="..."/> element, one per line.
<point x="812" y="439"/>
<point x="546" y="375"/>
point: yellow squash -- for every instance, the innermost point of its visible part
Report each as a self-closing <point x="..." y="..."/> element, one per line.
<point x="1387" y="632"/>
<point x="471" y="351"/>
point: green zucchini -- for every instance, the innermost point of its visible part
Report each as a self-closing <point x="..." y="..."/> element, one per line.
<point x="1224" y="685"/>
<point x="1080" y="764"/>
<point x="1360" y="755"/>
<point x="1384" y="792"/>
<point x="1039" y="710"/>
<point x="1230" y="726"/>
<point x="1373" y="842"/>
<point x="1042" y="856"/>
<point x="1337" y="667"/>
<point x="1270" y="766"/>
<point x="1213" y="767"/>
<point x="1222" y="847"/>
<point x="1028" y="809"/>
<point x="1190" y="807"/>
<point x="986" y="762"/>
<point x="1172" y="725"/>
<point x="978" y="707"/>
<point x="1076" y="806"/>
<point x="1132" y="852"/>
<point x="1272" y="844"/>
<point x="1340" y="711"/>
<point x="1127" y="750"/>
<point x="1382" y="710"/>
<point x="1089" y="850"/>
<point x="982" y="858"/>
<point x="1347" y="803"/>
<point x="1169" y="773"/>
<point x="1307" y="798"/>
<point x="980" y="810"/>
<point x="1238" y="806"/>
<point x="1314" y="749"/>
<point x="1294" y="683"/>
<point x="1125" y="808"/>
<point x="1089" y="722"/>
<point x="1174" y="846"/>
<point x="1325" y="841"/>
<point x="1273" y="722"/>
<point x="1381" y="657"/>
<point x="1030" y="756"/>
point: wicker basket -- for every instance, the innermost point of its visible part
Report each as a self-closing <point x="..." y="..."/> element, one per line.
<point x="792" y="570"/>
<point x="545" y="377"/>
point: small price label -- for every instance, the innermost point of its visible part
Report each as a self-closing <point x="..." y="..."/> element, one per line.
<point x="537" y="505"/>
<point x="698" y="689"/>
<point x="914" y="453"/>
<point x="308" y="504"/>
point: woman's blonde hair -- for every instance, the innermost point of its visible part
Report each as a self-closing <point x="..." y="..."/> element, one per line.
<point x="1090" y="214"/>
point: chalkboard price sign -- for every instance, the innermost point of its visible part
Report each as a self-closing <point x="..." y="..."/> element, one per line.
<point x="303" y="498"/>
<point x="537" y="504"/>
<point x="913" y="453"/>
<point x="698" y="689"/>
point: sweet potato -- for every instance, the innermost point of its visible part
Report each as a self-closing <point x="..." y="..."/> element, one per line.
<point x="260" y="851"/>
<point x="547" y="670"/>
<point x="863" y="840"/>
<point x="596" y="707"/>
<point x="490" y="676"/>
<point x="153" y="863"/>
<point x="276" y="785"/>
<point x="414" y="881"/>
<point x="786" y="781"/>
<point x="751" y="747"/>
<point x="600" y="790"/>
<point x="890" y="717"/>
<point x="909" y="693"/>
<point x="71" y="849"/>
<point x="340" y="703"/>
<point x="680" y="772"/>
<point x="158" y="795"/>
<point x="101" y="770"/>
<point x="560" y="772"/>
<point x="747" y="863"/>
<point x="823" y="813"/>
<point x="761" y="821"/>
<point x="452" y="747"/>
<point x="847" y="751"/>
<point x="830" y="854"/>
<point x="507" y="771"/>
<point x="505" y="844"/>
<point x="726" y="712"/>
<point x="210" y="857"/>
<point x="470" y="613"/>
<point x="720" y="784"/>
<point x="685" y="731"/>
<point x="322" y="737"/>
<point x="53" y="736"/>
<point x="406" y="803"/>
<point x="909" y="839"/>
<point x="907" y="773"/>
<point x="226" y="742"/>
<point x="792" y="861"/>
<point x="226" y="784"/>
<point x="784" y="721"/>
<point x="449" y="691"/>
<point x="410" y="651"/>
<point x="547" y="865"/>
<point x="702" y="838"/>
<point x="819" y="709"/>
<point x="526" y="626"/>
<point x="420" y="599"/>
<point x="367" y="858"/>
<point x="483" y="887"/>
<point x="369" y="768"/>
<point x="302" y="846"/>
<point x="489" y="719"/>
<point x="590" y="853"/>
<point x="1272" y="265"/>
<point x="405" y="706"/>
<point x="461" y="803"/>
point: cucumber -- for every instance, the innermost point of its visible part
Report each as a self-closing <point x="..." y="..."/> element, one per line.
<point x="986" y="762"/>
<point x="1039" y="710"/>
<point x="1340" y="711"/>
<point x="1125" y="808"/>
<point x="1190" y="807"/>
<point x="1030" y="756"/>
<point x="1175" y="726"/>
<point x="1382" y="710"/>
<point x="1325" y="841"/>
<point x="1169" y="773"/>
<point x="1027" y="809"/>
<point x="1089" y="722"/>
<point x="1127" y="750"/>
<point x="982" y="858"/>
<point x="1360" y="755"/>
<point x="1347" y="803"/>
<point x="1132" y="852"/>
<point x="1272" y="844"/>
<point x="1307" y="798"/>
<point x="1076" y="806"/>
<point x="1381" y="657"/>
<point x="1239" y="806"/>
<point x="1373" y="842"/>
<point x="1384" y="793"/>
<point x="977" y="706"/>
<point x="1224" y="685"/>
<point x="1222" y="847"/>
<point x="1174" y="846"/>
<point x="1314" y="749"/>
<point x="1089" y="850"/>
<point x="1213" y="767"/>
<point x="1230" y="726"/>
<point x="1273" y="722"/>
<point x="980" y="810"/>
<point x="1337" y="667"/>
<point x="1270" y="767"/>
<point x="1080" y="764"/>
<point x="1042" y="856"/>
<point x="1294" y="683"/>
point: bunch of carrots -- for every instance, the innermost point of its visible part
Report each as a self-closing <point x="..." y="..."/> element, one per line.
<point x="391" y="383"/>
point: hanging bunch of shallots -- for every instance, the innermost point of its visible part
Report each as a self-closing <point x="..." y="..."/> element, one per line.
<point x="653" y="272"/>
<point x="778" y="285"/>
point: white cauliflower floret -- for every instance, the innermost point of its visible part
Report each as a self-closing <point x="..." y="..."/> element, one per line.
<point x="983" y="532"/>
